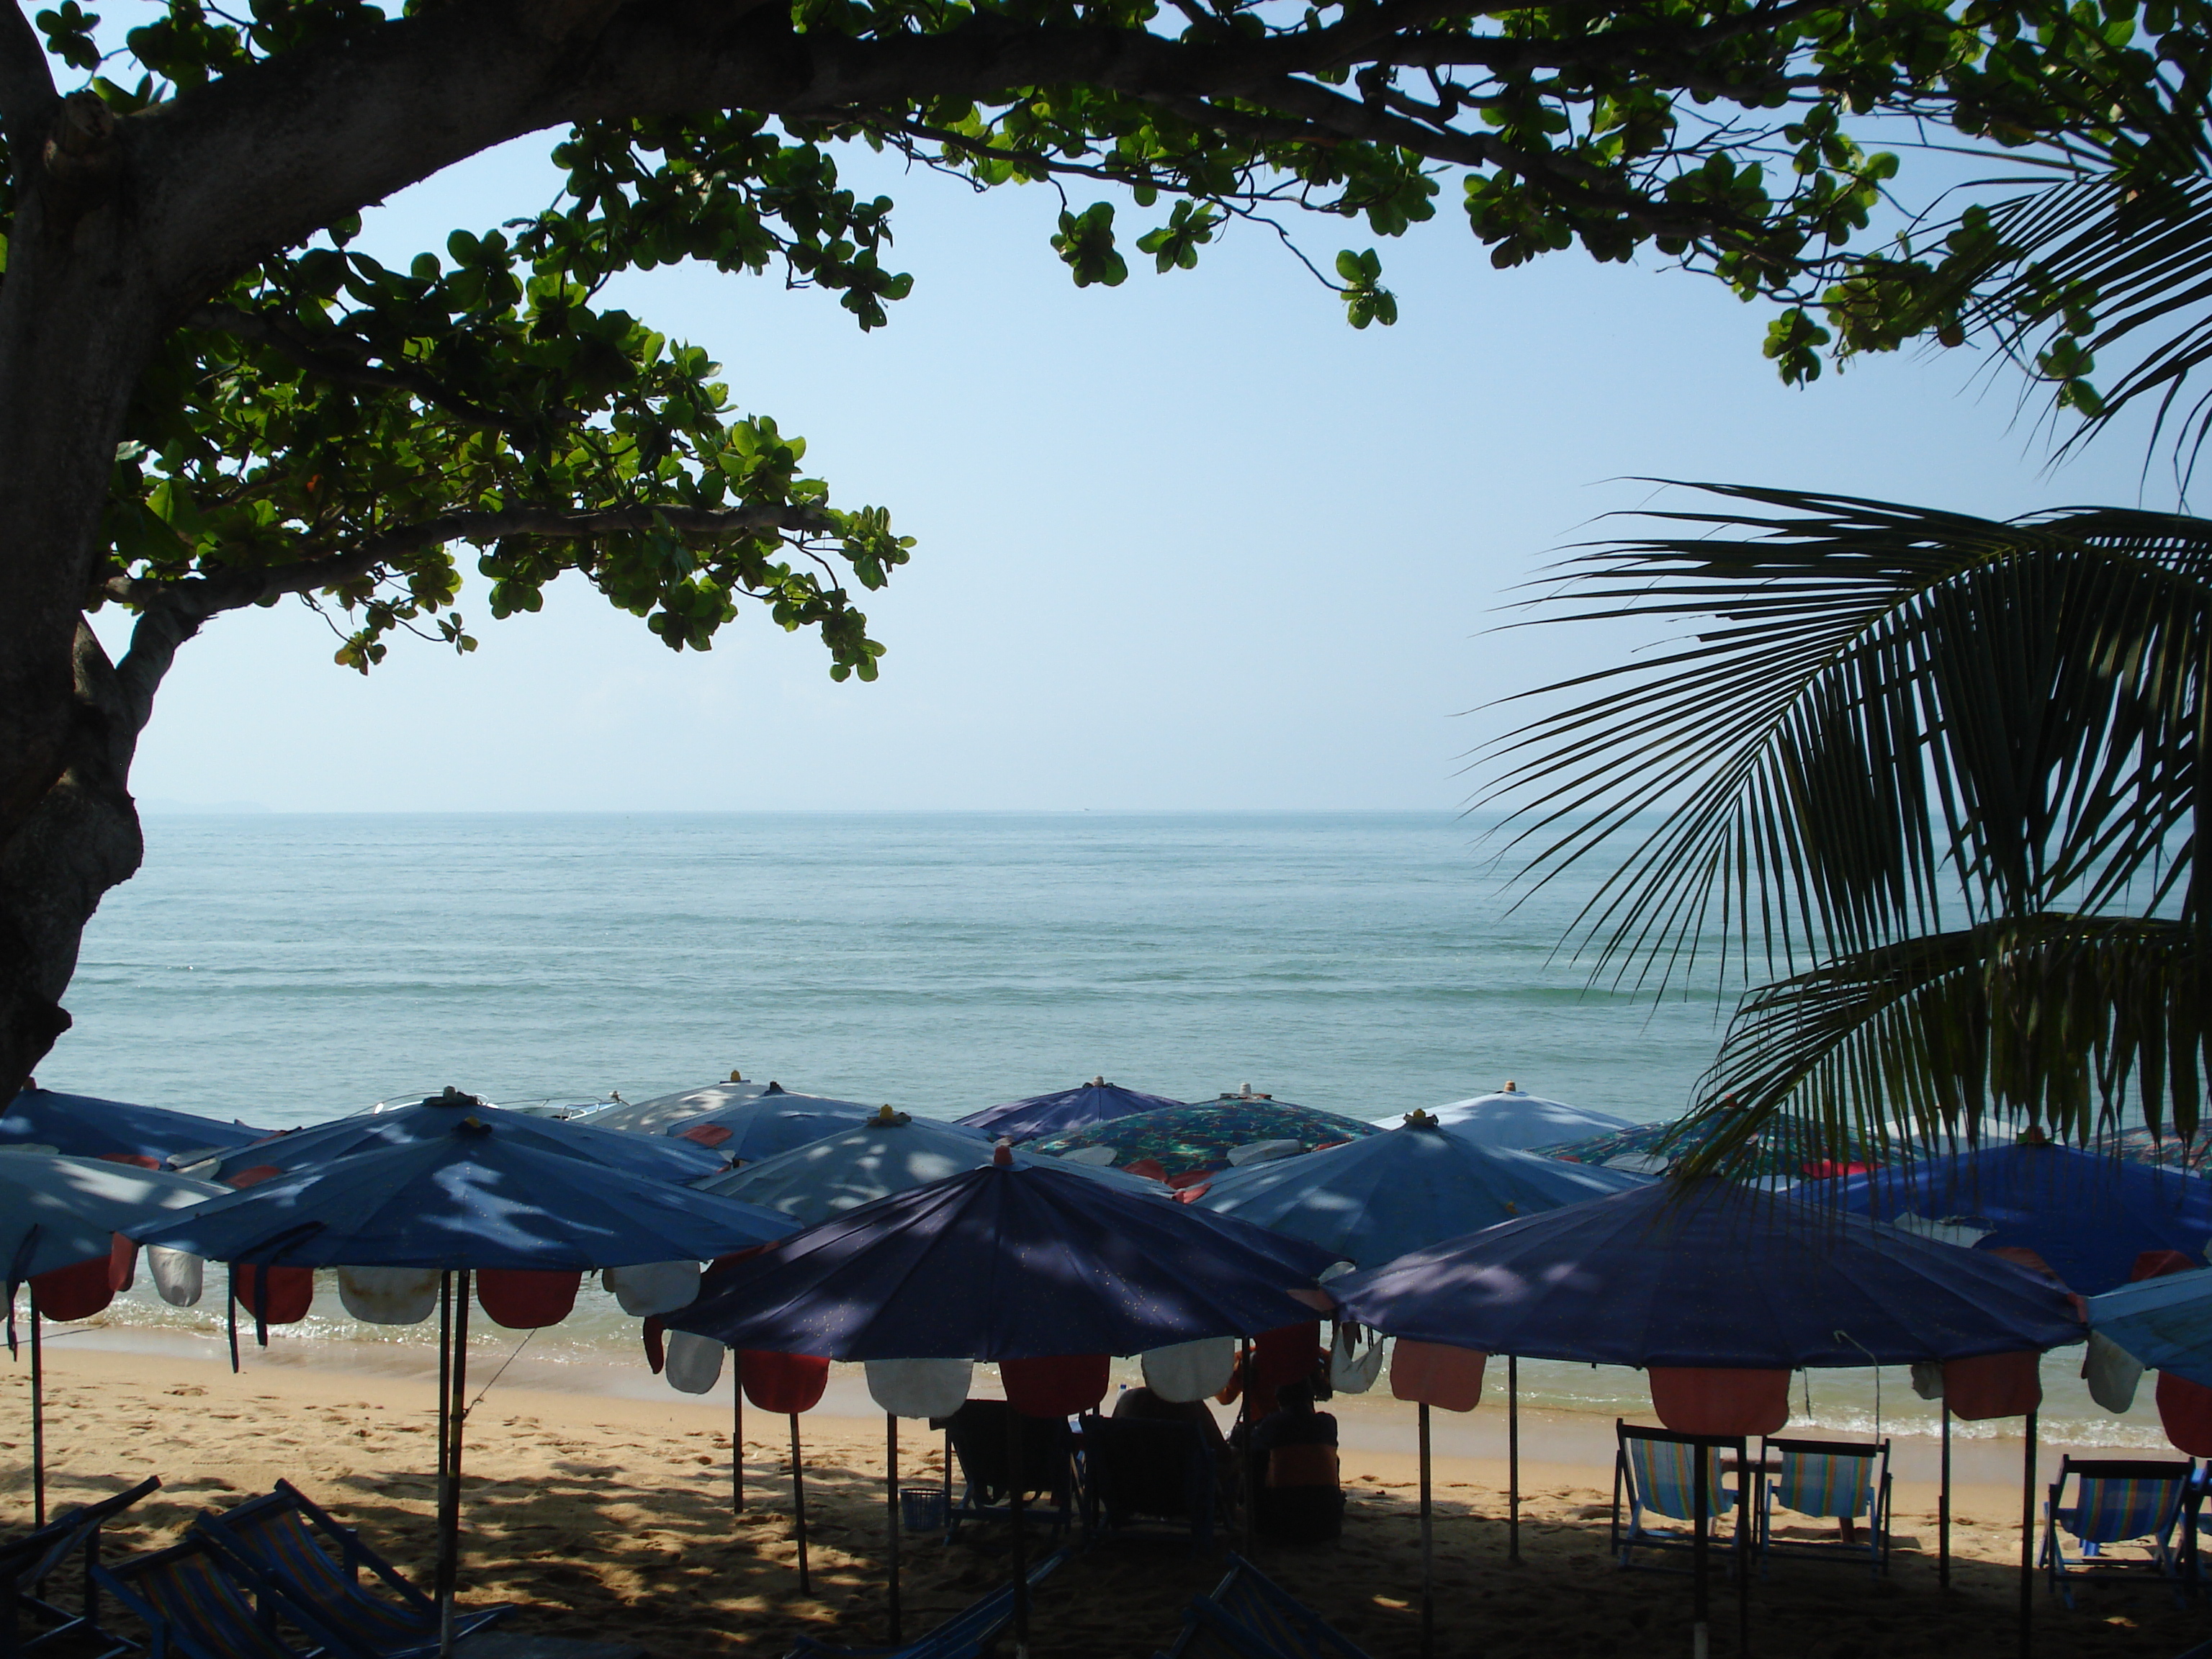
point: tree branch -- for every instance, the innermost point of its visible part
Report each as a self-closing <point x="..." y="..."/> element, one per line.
<point x="198" y="597"/>
<point x="28" y="96"/>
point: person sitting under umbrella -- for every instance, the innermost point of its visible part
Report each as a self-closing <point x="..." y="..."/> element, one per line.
<point x="1144" y="1406"/>
<point x="1297" y="1497"/>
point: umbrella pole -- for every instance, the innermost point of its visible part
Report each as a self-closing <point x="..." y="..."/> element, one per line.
<point x="1428" y="1573"/>
<point x="1245" y="1450"/>
<point x="38" y="1420"/>
<point x="799" y="1507"/>
<point x="1014" y="1509"/>
<point x="892" y="1502"/>
<point x="445" y="1377"/>
<point x="737" y="1432"/>
<point x="1513" y="1459"/>
<point x="1701" y="1500"/>
<point x="2027" y="1538"/>
<point x="1943" y="1509"/>
<point x="449" y="1519"/>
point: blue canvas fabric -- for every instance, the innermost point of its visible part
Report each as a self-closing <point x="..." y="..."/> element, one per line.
<point x="301" y="1150"/>
<point x="1007" y="1263"/>
<point x="1710" y="1272"/>
<point x="481" y="1194"/>
<point x="84" y="1126"/>
<point x="2166" y="1323"/>
<point x="56" y="1212"/>
<point x="1373" y="1200"/>
<point x="770" y="1125"/>
<point x="870" y="1160"/>
<point x="1064" y="1111"/>
<point x="2088" y="1214"/>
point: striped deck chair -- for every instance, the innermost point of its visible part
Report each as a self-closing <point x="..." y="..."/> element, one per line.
<point x="1653" y="1469"/>
<point x="1249" y="1616"/>
<point x="2116" y="1501"/>
<point x="27" y="1619"/>
<point x="963" y="1636"/>
<point x="288" y="1549"/>
<point x="1832" y="1480"/>
<point x="193" y="1608"/>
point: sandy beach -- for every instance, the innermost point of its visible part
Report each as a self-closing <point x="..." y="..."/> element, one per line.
<point x="609" y="1515"/>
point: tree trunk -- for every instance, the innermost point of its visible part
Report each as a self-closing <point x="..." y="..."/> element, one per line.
<point x="77" y="322"/>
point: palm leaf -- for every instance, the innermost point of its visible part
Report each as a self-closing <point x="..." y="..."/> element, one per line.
<point x="1888" y="724"/>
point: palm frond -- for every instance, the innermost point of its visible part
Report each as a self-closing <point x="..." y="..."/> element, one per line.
<point x="2059" y="1019"/>
<point x="1886" y="721"/>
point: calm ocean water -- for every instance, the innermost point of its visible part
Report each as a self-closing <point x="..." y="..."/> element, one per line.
<point x="283" y="970"/>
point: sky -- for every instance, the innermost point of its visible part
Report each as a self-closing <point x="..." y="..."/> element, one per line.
<point x="1190" y="543"/>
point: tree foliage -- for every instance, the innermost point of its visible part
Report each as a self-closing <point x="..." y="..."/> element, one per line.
<point x="319" y="413"/>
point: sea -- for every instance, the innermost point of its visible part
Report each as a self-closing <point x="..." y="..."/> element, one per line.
<point x="283" y="970"/>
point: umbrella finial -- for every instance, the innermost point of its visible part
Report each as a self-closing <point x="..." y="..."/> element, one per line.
<point x="736" y="1076"/>
<point x="1418" y="1119"/>
<point x="1002" y="1155"/>
<point x="1098" y="1082"/>
<point x="1511" y="1088"/>
<point x="887" y="1119"/>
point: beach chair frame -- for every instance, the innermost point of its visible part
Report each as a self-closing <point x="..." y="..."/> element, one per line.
<point x="1637" y="1533"/>
<point x="963" y="1636"/>
<point x="27" y="1562"/>
<point x="1249" y="1616"/>
<point x="1875" y="1453"/>
<point x="229" y="1624"/>
<point x="975" y="1442"/>
<point x="314" y="1575"/>
<point x="1111" y="1510"/>
<point x="2063" y="1574"/>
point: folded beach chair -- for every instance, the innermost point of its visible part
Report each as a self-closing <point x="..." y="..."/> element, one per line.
<point x="1654" y="1470"/>
<point x="1138" y="1472"/>
<point x="1832" y="1480"/>
<point x="27" y="1619"/>
<point x="961" y="1637"/>
<point x="977" y="1434"/>
<point x="194" y="1609"/>
<point x="1249" y="1616"/>
<point x="2115" y="1500"/>
<point x="289" y="1551"/>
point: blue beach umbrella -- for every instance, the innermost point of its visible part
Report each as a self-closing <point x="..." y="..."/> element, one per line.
<point x="651" y="1157"/>
<point x="886" y="1152"/>
<point x="57" y="1211"/>
<point x="2166" y="1323"/>
<point x="2088" y="1214"/>
<point x="1374" y="1199"/>
<point x="485" y="1192"/>
<point x="84" y="1126"/>
<point x="1007" y="1263"/>
<point x="1710" y="1272"/>
<point x="664" y="1114"/>
<point x="1513" y="1118"/>
<point x="768" y="1125"/>
<point x="1064" y="1111"/>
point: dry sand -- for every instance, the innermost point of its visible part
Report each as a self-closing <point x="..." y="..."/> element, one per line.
<point x="610" y="1517"/>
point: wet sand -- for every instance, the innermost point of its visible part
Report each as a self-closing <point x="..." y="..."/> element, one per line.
<point x="608" y="1514"/>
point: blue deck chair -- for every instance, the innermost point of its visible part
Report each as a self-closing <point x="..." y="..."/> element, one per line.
<point x="193" y="1608"/>
<point x="1653" y="1469"/>
<point x="1830" y="1479"/>
<point x="1249" y="1616"/>
<point x="286" y="1548"/>
<point x="2116" y="1501"/>
<point x="963" y="1636"/>
<point x="27" y="1620"/>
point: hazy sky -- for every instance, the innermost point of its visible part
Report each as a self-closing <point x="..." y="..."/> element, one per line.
<point x="1192" y="543"/>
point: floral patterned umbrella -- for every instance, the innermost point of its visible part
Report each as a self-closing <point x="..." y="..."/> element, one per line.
<point x="1790" y="1151"/>
<point x="1196" y="1140"/>
<point x="2140" y="1145"/>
